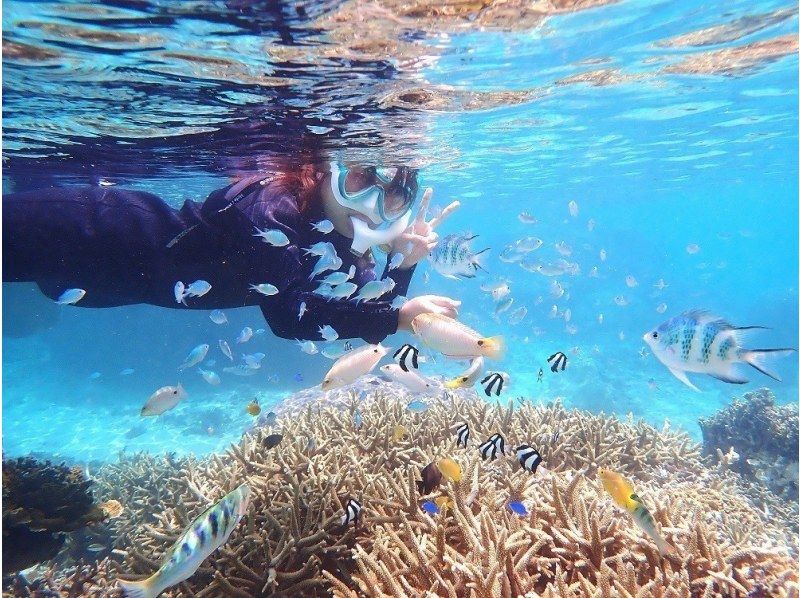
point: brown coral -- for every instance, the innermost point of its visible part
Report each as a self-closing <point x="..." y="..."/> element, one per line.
<point x="573" y="542"/>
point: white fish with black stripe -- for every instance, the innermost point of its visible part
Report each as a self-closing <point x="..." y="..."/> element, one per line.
<point x="462" y="434"/>
<point x="696" y="341"/>
<point x="492" y="447"/>
<point x="352" y="510"/>
<point x="557" y="360"/>
<point x="405" y="354"/>
<point x="530" y="458"/>
<point x="494" y="382"/>
<point x="202" y="537"/>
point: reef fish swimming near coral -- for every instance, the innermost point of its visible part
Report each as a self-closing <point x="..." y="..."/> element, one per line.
<point x="557" y="360"/>
<point x="695" y="341"/>
<point x="469" y="376"/>
<point x="450" y="469"/>
<point x="490" y="449"/>
<point x="164" y="399"/>
<point x="202" y="537"/>
<point x="352" y="511"/>
<point x="493" y="383"/>
<point x="529" y="458"/>
<point x="454" y="339"/>
<point x="431" y="478"/>
<point x="352" y="365"/>
<point x="462" y="435"/>
<point x="405" y="354"/>
<point x="621" y="491"/>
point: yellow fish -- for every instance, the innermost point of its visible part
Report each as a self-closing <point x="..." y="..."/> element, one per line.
<point x="469" y="377"/>
<point x="444" y="502"/>
<point x="621" y="491"/>
<point x="454" y="339"/>
<point x="253" y="408"/>
<point x="450" y="469"/>
<point x="399" y="432"/>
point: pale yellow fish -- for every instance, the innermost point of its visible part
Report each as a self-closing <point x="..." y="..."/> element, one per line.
<point x="399" y="432"/>
<point x="164" y="399"/>
<point x="468" y="377"/>
<point x="454" y="339"/>
<point x="444" y="502"/>
<point x="450" y="469"/>
<point x="352" y="365"/>
<point x="621" y="491"/>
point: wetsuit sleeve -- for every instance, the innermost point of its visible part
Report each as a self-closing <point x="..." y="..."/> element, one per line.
<point x="289" y="269"/>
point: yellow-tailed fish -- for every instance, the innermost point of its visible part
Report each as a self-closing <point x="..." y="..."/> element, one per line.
<point x="468" y="377"/>
<point x="450" y="469"/>
<point x="399" y="432"/>
<point x="454" y="339"/>
<point x="253" y="408"/>
<point x="621" y="491"/>
<point x="203" y="536"/>
<point x="352" y="365"/>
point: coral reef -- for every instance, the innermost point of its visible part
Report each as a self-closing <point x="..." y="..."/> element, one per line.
<point x="42" y="501"/>
<point x="758" y="440"/>
<point x="574" y="541"/>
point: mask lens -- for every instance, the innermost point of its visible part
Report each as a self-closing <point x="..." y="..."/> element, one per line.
<point x="356" y="181"/>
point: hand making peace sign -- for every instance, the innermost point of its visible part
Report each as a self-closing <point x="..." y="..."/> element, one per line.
<point x="419" y="239"/>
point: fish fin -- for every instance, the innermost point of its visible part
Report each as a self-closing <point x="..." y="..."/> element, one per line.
<point x="137" y="589"/>
<point x="757" y="358"/>
<point x="493" y="347"/>
<point x="452" y="384"/>
<point x="451" y="277"/>
<point x="681" y="375"/>
<point x="730" y="377"/>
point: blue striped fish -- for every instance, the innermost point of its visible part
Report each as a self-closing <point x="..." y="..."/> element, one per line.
<point x="696" y="341"/>
<point x="203" y="536"/>
<point x="453" y="257"/>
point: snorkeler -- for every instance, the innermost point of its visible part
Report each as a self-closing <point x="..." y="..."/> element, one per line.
<point x="125" y="247"/>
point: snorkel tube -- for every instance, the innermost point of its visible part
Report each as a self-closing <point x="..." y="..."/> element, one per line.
<point x="365" y="237"/>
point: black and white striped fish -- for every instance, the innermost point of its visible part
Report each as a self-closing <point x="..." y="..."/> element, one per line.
<point x="490" y="449"/>
<point x="202" y="537"/>
<point x="557" y="360"/>
<point x="351" y="511"/>
<point x="404" y="353"/>
<point x="528" y="457"/>
<point x="494" y="382"/>
<point x="462" y="435"/>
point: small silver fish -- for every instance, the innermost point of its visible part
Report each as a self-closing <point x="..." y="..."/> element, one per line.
<point x="71" y="296"/>
<point x="265" y="289"/>
<point x="323" y="226"/>
<point x="179" y="290"/>
<point x="328" y="333"/>
<point x="196" y="355"/>
<point x="197" y="289"/>
<point x="164" y="399"/>
<point x="245" y="335"/>
<point x="226" y="349"/>
<point x="301" y="311"/>
<point x="218" y="317"/>
<point x="273" y="237"/>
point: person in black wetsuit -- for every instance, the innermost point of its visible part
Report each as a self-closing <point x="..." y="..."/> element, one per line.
<point x="125" y="247"/>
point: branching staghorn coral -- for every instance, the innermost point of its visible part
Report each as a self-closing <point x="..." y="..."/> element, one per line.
<point x="573" y="542"/>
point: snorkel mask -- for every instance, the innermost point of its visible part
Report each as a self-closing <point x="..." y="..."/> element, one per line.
<point x="383" y="197"/>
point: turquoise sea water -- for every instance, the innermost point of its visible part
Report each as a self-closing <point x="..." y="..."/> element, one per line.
<point x="658" y="160"/>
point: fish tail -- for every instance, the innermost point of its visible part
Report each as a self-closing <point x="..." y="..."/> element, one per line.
<point x="664" y="547"/>
<point x="138" y="589"/>
<point x="757" y="358"/>
<point x="477" y="259"/>
<point x="493" y="347"/>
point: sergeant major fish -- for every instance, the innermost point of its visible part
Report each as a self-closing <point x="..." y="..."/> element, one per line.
<point x="453" y="257"/>
<point x="203" y="536"/>
<point x="695" y="341"/>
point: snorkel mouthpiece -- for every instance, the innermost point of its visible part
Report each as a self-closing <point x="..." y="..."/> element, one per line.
<point x="365" y="237"/>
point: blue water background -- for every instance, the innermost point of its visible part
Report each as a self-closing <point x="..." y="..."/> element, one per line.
<point x="658" y="164"/>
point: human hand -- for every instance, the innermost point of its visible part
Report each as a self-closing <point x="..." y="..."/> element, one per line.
<point x="419" y="239"/>
<point x="425" y="304"/>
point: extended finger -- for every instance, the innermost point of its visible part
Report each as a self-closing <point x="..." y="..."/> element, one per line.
<point x="424" y="204"/>
<point x="445" y="214"/>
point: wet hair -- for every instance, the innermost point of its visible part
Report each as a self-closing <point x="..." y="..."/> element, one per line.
<point x="303" y="182"/>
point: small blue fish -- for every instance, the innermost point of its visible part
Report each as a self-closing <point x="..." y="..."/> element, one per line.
<point x="94" y="376"/>
<point x="272" y="237"/>
<point x="328" y="333"/>
<point x="518" y="508"/>
<point x="218" y="317"/>
<point x="271" y="418"/>
<point x="417" y="406"/>
<point x="265" y="288"/>
<point x="358" y="421"/>
<point x="126" y="372"/>
<point x="298" y="377"/>
<point x="197" y="289"/>
<point x="71" y="296"/>
<point x="323" y="226"/>
<point x="396" y="261"/>
<point x="430" y="507"/>
<point x="260" y="331"/>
